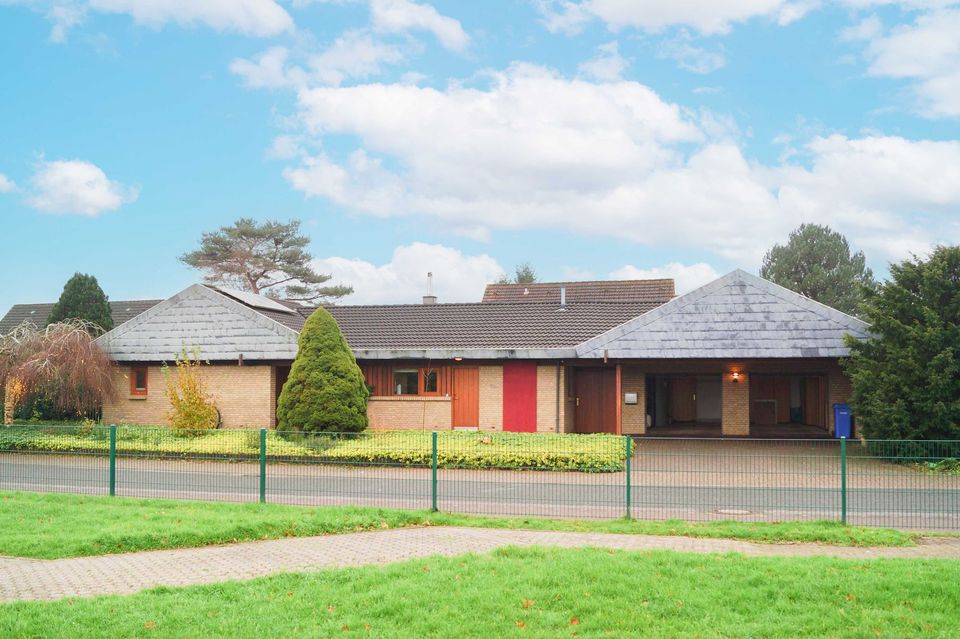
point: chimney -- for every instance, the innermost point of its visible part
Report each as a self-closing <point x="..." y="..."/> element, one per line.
<point x="429" y="298"/>
<point x="563" y="298"/>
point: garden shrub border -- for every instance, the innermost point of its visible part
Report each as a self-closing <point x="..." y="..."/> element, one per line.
<point x="594" y="453"/>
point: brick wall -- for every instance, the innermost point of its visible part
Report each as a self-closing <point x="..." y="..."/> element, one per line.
<point x="245" y="395"/>
<point x="633" y="417"/>
<point x="736" y="405"/>
<point x="547" y="397"/>
<point x="409" y="413"/>
<point x="491" y="397"/>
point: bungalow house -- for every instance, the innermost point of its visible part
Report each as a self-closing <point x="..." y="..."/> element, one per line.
<point x="737" y="357"/>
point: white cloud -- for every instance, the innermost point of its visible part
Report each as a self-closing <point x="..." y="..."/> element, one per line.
<point x="250" y="17"/>
<point x="926" y="52"/>
<point x="608" y="65"/>
<point x="6" y="184"/>
<point x="533" y="149"/>
<point x="686" y="277"/>
<point x="354" y="54"/>
<point x="403" y="280"/>
<point x="78" y="187"/>
<point x="689" y="56"/>
<point x="704" y="16"/>
<point x="400" y="16"/>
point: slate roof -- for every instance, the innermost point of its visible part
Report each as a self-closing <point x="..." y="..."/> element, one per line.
<point x="635" y="291"/>
<point x="122" y="311"/>
<point x="737" y="316"/>
<point x="200" y="317"/>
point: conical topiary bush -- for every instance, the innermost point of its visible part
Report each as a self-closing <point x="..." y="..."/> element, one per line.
<point x="325" y="391"/>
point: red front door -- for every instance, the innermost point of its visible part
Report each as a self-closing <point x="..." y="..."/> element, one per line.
<point x="520" y="397"/>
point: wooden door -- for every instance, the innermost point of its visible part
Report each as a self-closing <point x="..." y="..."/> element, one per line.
<point x="783" y="399"/>
<point x="589" y="389"/>
<point x="465" y="406"/>
<point x="813" y="408"/>
<point x="683" y="398"/>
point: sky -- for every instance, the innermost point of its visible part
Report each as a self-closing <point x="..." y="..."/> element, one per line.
<point x="595" y="139"/>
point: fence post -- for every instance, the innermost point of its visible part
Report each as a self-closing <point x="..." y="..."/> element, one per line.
<point x="843" y="480"/>
<point x="629" y="444"/>
<point x="113" y="460"/>
<point x="433" y="471"/>
<point x="263" y="465"/>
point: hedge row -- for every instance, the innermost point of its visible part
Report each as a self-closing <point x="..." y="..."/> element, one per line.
<point x="587" y="453"/>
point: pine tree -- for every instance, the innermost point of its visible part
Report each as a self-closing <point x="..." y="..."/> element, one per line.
<point x="325" y="391"/>
<point x="817" y="262"/>
<point x="906" y="381"/>
<point x="83" y="299"/>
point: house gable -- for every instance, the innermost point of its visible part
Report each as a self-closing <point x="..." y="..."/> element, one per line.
<point x="200" y="318"/>
<point x="737" y="316"/>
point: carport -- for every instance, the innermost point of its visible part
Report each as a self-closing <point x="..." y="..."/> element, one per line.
<point x="739" y="357"/>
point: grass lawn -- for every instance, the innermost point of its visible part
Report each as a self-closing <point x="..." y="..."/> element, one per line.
<point x="49" y="526"/>
<point x="536" y="593"/>
<point x="536" y="451"/>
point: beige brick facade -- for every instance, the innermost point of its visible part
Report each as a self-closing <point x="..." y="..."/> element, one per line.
<point x="409" y="413"/>
<point x="633" y="416"/>
<point x="735" y="419"/>
<point x="491" y="397"/>
<point x="549" y="381"/>
<point x="245" y="395"/>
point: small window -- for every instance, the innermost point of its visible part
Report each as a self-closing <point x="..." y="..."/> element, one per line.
<point x="138" y="380"/>
<point x="405" y="381"/>
<point x="430" y="382"/>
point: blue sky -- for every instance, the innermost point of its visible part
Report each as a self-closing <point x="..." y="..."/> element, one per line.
<point x="596" y="139"/>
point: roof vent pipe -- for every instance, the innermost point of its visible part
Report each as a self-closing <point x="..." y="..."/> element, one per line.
<point x="563" y="297"/>
<point x="429" y="298"/>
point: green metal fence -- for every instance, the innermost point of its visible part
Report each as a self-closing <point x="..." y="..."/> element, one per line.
<point x="901" y="484"/>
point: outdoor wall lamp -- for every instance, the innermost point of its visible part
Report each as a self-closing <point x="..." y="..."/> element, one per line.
<point x="736" y="377"/>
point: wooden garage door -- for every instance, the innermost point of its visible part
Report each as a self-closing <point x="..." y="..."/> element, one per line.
<point x="466" y="397"/>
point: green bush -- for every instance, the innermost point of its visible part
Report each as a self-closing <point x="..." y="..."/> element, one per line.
<point x="906" y="380"/>
<point x="192" y="410"/>
<point x="325" y="391"/>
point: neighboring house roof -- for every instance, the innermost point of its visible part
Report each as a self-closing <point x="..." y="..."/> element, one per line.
<point x="37" y="314"/>
<point x="202" y="318"/>
<point x="737" y="316"/>
<point x="637" y="291"/>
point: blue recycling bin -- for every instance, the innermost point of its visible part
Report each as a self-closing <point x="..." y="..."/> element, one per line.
<point x="842" y="421"/>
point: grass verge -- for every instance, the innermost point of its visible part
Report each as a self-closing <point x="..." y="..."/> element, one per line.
<point x="49" y="526"/>
<point x="536" y="593"/>
<point x="531" y="451"/>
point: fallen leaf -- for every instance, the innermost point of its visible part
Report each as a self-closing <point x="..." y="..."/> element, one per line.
<point x="150" y="625"/>
<point x="527" y="603"/>
<point x="575" y="621"/>
<point x="521" y="624"/>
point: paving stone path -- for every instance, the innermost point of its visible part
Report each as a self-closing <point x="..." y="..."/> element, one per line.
<point x="36" y="579"/>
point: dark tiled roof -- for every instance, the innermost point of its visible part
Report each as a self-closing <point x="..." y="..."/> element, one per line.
<point x="478" y="325"/>
<point x="638" y="291"/>
<point x="38" y="313"/>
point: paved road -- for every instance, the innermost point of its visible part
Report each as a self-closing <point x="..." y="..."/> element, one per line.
<point x="25" y="579"/>
<point x="520" y="493"/>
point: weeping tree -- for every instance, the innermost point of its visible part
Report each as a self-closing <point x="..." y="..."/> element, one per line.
<point x="61" y="363"/>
